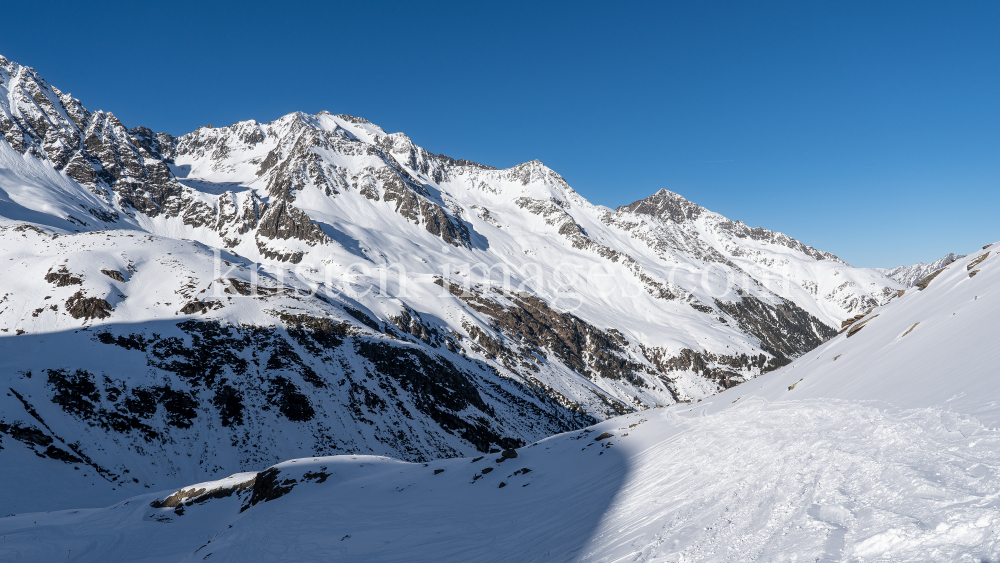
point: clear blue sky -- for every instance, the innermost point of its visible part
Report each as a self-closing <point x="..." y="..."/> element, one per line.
<point x="868" y="129"/>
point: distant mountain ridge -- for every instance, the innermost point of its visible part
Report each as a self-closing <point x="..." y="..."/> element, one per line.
<point x="183" y="307"/>
<point x="908" y="276"/>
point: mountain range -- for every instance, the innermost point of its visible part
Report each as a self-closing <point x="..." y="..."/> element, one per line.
<point x="882" y="444"/>
<point x="176" y="309"/>
<point x="908" y="276"/>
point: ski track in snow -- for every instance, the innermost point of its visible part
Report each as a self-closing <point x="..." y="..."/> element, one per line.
<point x="823" y="482"/>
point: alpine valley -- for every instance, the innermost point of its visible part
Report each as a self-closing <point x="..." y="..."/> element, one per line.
<point x="179" y="309"/>
<point x="881" y="445"/>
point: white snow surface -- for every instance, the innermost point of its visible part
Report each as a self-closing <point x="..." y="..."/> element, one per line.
<point x="879" y="446"/>
<point x="32" y="192"/>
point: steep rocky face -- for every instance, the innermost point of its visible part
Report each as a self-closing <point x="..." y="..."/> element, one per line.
<point x="316" y="285"/>
<point x="286" y="156"/>
<point x="129" y="170"/>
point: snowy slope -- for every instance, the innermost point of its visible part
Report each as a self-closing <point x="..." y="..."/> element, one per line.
<point x="409" y="304"/>
<point x="890" y="452"/>
<point x="910" y="275"/>
<point x="931" y="348"/>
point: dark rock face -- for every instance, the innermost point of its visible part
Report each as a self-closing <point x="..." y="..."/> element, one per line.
<point x="230" y="406"/>
<point x="74" y="392"/>
<point x="923" y="283"/>
<point x="94" y="149"/>
<point x="212" y="352"/>
<point x="447" y="160"/>
<point x="417" y="208"/>
<point x="725" y="371"/>
<point x="554" y="212"/>
<point x="438" y="389"/>
<point x="784" y="330"/>
<point x="533" y="324"/>
<point x="114" y="274"/>
<point x="28" y="435"/>
<point x="198" y="495"/>
<point x="284" y="221"/>
<point x="267" y="486"/>
<point x="80" y="306"/>
<point x="291" y="402"/>
<point x="857" y="327"/>
<point x="666" y="205"/>
<point x="294" y="164"/>
<point x="63" y="278"/>
<point x="977" y="261"/>
<point x="158" y="145"/>
<point x="315" y="383"/>
<point x="36" y="439"/>
<point x="318" y="335"/>
<point x="77" y="393"/>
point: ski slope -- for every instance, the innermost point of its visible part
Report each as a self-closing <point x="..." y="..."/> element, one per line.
<point x="879" y="446"/>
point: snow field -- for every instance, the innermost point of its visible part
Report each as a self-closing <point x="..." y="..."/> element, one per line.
<point x="796" y="481"/>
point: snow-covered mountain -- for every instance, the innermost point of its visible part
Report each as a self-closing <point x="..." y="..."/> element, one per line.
<point x="908" y="276"/>
<point x="178" y="308"/>
<point x="883" y="444"/>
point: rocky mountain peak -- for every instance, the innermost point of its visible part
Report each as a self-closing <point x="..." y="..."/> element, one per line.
<point x="666" y="204"/>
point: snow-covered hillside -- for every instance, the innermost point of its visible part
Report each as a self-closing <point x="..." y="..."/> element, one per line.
<point x="880" y="445"/>
<point x="941" y="338"/>
<point x="179" y="308"/>
<point x="908" y="276"/>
